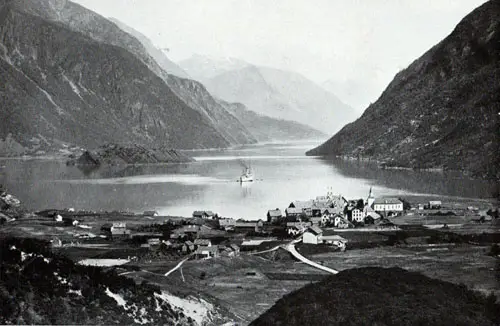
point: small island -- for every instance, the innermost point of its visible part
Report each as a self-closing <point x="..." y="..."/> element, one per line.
<point x="115" y="154"/>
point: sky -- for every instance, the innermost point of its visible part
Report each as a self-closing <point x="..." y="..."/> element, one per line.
<point x="356" y="45"/>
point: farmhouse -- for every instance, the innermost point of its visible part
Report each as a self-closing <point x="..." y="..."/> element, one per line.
<point x="435" y="204"/>
<point x="304" y="206"/>
<point x="249" y="226"/>
<point x="207" y="252"/>
<point x="203" y="214"/>
<point x="227" y="223"/>
<point x="312" y="235"/>
<point x="203" y="242"/>
<point x="293" y="213"/>
<point x="188" y="246"/>
<point x="120" y="230"/>
<point x="388" y="205"/>
<point x="274" y="216"/>
<point x="150" y="213"/>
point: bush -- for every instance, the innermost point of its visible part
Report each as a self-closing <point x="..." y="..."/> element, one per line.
<point x="494" y="250"/>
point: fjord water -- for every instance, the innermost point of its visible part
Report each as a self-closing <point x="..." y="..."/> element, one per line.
<point x="283" y="174"/>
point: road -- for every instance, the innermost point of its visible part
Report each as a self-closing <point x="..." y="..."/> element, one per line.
<point x="178" y="265"/>
<point x="291" y="249"/>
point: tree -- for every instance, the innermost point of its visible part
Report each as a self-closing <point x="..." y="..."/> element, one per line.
<point x="406" y="204"/>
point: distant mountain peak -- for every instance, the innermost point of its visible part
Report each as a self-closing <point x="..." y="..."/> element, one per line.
<point x="281" y="94"/>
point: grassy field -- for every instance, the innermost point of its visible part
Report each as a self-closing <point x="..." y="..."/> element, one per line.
<point x="454" y="263"/>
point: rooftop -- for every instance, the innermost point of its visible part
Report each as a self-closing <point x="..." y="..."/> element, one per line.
<point x="387" y="201"/>
<point x="315" y="230"/>
<point x="274" y="212"/>
<point x="333" y="237"/>
<point x="205" y="248"/>
<point x="292" y="210"/>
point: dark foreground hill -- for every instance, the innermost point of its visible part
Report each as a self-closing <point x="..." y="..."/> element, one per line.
<point x="380" y="296"/>
<point x="440" y="112"/>
<point x="38" y="287"/>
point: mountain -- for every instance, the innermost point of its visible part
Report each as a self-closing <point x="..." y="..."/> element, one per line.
<point x="382" y="296"/>
<point x="283" y="95"/>
<point x="265" y="128"/>
<point x="441" y="111"/>
<point x="157" y="54"/>
<point x="72" y="76"/>
<point x="202" y="67"/>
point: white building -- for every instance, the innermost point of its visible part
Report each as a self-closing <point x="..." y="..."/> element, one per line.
<point x="313" y="235"/>
<point x="358" y="215"/>
<point x="388" y="205"/>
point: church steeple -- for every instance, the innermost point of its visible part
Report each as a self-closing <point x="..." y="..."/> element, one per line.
<point x="371" y="198"/>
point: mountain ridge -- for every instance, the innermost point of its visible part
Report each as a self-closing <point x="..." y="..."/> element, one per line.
<point x="282" y="94"/>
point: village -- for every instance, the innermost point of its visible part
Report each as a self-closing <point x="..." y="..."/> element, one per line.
<point x="324" y="220"/>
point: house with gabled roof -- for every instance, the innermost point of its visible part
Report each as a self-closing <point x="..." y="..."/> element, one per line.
<point x="207" y="252"/>
<point x="313" y="235"/>
<point x="203" y="214"/>
<point x="202" y="242"/>
<point x="274" y="216"/>
<point x="293" y="213"/>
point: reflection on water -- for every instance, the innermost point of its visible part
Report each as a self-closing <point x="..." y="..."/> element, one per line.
<point x="282" y="174"/>
<point x="246" y="189"/>
<point x="425" y="182"/>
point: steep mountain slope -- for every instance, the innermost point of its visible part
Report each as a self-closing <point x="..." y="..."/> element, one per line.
<point x="196" y="96"/>
<point x="270" y="129"/>
<point x="163" y="61"/>
<point x="59" y="84"/>
<point x="442" y="111"/>
<point x="203" y="68"/>
<point x="203" y="117"/>
<point x="283" y="95"/>
<point x="382" y="296"/>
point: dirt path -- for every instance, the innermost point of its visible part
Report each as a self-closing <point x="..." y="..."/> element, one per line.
<point x="291" y="249"/>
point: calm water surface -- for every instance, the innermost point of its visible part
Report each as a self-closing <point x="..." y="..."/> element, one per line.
<point x="283" y="174"/>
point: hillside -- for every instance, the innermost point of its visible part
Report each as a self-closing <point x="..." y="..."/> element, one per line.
<point x="87" y="82"/>
<point x="51" y="289"/>
<point x="441" y="111"/>
<point x="265" y="128"/>
<point x="379" y="296"/>
<point x="282" y="95"/>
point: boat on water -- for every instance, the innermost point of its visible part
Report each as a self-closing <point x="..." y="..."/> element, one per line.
<point x="246" y="176"/>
